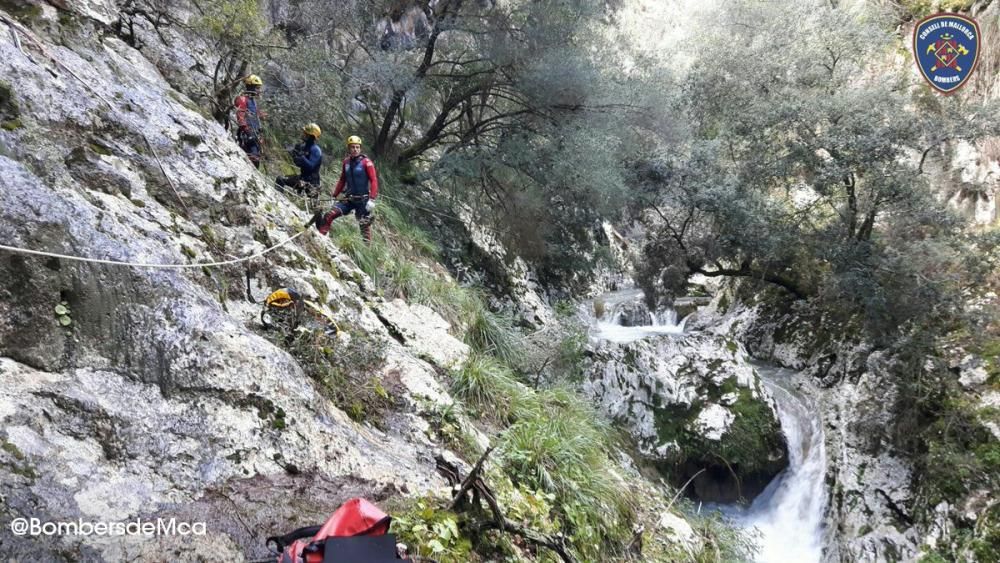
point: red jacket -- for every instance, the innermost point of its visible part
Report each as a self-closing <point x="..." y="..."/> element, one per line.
<point x="247" y="113"/>
<point x="354" y="177"/>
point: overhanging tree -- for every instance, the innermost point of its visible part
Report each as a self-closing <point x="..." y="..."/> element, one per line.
<point x="802" y="161"/>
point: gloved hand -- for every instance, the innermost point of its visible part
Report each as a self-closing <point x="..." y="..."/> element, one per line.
<point x="370" y="205"/>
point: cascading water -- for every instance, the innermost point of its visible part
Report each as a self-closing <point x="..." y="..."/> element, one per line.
<point x="788" y="514"/>
<point x="628" y="304"/>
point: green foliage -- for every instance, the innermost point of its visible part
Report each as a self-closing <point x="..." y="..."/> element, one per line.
<point x="961" y="454"/>
<point x="569" y="357"/>
<point x="63" y="314"/>
<point x="432" y="532"/>
<point x="499" y="98"/>
<point x="532" y="508"/>
<point x="489" y="332"/>
<point x="16" y="461"/>
<point x="981" y="543"/>
<point x="723" y="542"/>
<point x="346" y="368"/>
<point x="232" y="22"/>
<point x="560" y="445"/>
<point x="796" y="170"/>
<point x="753" y="436"/>
<point x="9" y="111"/>
<point x="487" y="385"/>
<point x="24" y="12"/>
<point x="400" y="262"/>
<point x="923" y="8"/>
<point x="448" y="427"/>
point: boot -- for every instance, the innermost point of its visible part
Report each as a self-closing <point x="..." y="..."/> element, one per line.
<point x="324" y="222"/>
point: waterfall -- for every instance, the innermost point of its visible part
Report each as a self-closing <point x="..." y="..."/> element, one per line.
<point x="789" y="513"/>
<point x="625" y="318"/>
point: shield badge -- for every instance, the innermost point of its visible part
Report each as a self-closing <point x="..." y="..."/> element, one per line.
<point x="946" y="47"/>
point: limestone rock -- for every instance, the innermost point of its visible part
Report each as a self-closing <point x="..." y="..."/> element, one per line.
<point x="685" y="397"/>
<point x="423" y="332"/>
<point x="162" y="395"/>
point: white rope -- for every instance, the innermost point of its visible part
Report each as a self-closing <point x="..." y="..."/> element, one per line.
<point x="150" y="265"/>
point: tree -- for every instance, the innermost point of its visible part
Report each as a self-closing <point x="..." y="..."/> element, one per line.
<point x="519" y="110"/>
<point x="801" y="167"/>
<point x="240" y="35"/>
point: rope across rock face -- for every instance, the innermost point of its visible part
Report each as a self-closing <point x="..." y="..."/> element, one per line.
<point x="151" y="264"/>
<point x="16" y="29"/>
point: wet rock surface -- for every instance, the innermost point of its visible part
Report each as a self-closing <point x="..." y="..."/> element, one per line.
<point x="869" y="483"/>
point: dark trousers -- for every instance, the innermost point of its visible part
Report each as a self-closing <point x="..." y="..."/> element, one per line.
<point x="250" y="144"/>
<point x="301" y="187"/>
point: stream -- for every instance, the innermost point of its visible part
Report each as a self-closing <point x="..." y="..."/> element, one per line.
<point x="788" y="514"/>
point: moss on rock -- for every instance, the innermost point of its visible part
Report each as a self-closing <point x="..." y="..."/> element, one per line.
<point x="749" y="454"/>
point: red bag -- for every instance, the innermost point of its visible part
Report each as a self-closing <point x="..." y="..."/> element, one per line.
<point x="356" y="517"/>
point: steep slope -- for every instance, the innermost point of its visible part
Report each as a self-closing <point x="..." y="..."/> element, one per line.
<point x="162" y="396"/>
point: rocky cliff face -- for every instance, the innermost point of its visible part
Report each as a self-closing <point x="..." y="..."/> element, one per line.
<point x="869" y="484"/>
<point x="160" y="394"/>
<point x="694" y="405"/>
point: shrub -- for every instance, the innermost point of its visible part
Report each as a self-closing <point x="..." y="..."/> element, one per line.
<point x="489" y="332"/>
<point x="431" y="531"/>
<point x="347" y="371"/>
<point x="560" y="445"/>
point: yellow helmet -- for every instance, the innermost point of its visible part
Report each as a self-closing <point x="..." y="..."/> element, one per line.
<point x="253" y="80"/>
<point x="353" y="140"/>
<point x="312" y="129"/>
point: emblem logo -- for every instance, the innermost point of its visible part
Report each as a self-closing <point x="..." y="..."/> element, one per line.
<point x="946" y="47"/>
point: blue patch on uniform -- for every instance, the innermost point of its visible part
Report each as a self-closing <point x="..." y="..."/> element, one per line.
<point x="946" y="47"/>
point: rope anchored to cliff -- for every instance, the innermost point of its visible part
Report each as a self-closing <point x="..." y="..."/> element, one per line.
<point x="154" y="265"/>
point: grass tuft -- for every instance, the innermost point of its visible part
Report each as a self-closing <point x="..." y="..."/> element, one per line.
<point x="486" y="385"/>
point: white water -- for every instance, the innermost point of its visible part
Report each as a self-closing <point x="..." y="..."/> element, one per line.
<point x="788" y="514"/>
<point x="609" y="325"/>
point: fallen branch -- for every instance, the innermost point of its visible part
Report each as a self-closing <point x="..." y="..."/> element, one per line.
<point x="556" y="544"/>
<point x="681" y="490"/>
<point x="480" y="491"/>
<point x="635" y="545"/>
<point x="470" y="480"/>
<point x="739" y="486"/>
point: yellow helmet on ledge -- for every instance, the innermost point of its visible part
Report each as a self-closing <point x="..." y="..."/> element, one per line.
<point x="312" y="129"/>
<point x="353" y="140"/>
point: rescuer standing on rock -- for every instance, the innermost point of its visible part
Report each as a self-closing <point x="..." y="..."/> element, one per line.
<point x="356" y="191"/>
<point x="308" y="157"/>
<point x="248" y="119"/>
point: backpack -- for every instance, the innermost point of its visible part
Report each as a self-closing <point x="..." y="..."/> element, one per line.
<point x="357" y="532"/>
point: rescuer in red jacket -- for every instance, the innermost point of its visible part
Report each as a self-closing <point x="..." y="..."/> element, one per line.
<point x="248" y="118"/>
<point x="356" y="191"/>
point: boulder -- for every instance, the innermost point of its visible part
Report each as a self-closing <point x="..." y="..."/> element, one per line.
<point x="693" y="403"/>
